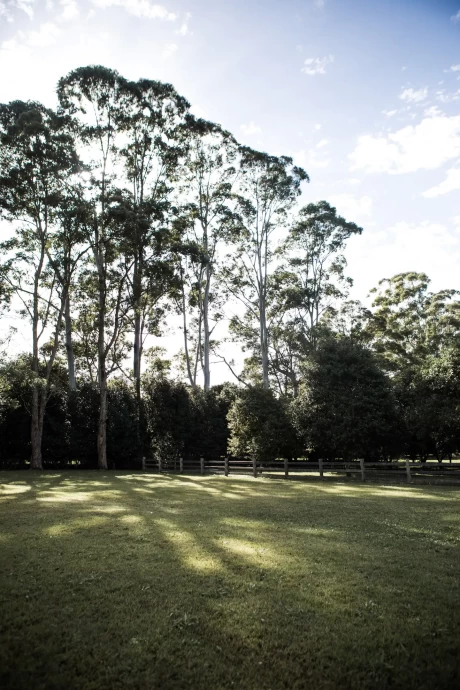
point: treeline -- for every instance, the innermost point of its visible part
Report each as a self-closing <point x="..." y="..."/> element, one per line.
<point x="123" y="209"/>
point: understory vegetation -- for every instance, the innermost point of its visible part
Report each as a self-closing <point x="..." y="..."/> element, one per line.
<point x="118" y="580"/>
<point x="123" y="214"/>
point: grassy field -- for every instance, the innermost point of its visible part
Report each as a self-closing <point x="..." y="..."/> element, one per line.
<point x="120" y="580"/>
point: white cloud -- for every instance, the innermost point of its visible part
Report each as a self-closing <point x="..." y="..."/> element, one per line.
<point x="322" y="143"/>
<point x="455" y="68"/>
<point x="5" y="12"/>
<point x="319" y="3"/>
<point x="433" y="248"/>
<point x="432" y="111"/>
<point x="389" y="113"/>
<point x="317" y="127"/>
<point x="353" y="208"/>
<point x="310" y="159"/>
<point x="456" y="17"/>
<point x="44" y="37"/>
<point x="451" y="183"/>
<point x="26" y="6"/>
<point x="313" y="66"/>
<point x="251" y="129"/>
<point x="169" y="50"/>
<point x="445" y="97"/>
<point x="413" y="96"/>
<point x="138" y="8"/>
<point x="70" y="10"/>
<point x="183" y="30"/>
<point x="425" y="146"/>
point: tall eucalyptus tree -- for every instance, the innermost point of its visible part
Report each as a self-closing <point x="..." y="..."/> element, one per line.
<point x="37" y="163"/>
<point x="209" y="178"/>
<point x="97" y="100"/>
<point x="310" y="282"/>
<point x="155" y="135"/>
<point x="268" y="188"/>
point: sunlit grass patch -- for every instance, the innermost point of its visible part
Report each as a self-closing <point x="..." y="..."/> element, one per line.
<point x="141" y="581"/>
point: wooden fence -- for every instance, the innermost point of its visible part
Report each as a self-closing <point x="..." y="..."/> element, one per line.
<point x="295" y="469"/>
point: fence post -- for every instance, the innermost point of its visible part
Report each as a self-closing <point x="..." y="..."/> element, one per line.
<point x="254" y="467"/>
<point x="320" y="463"/>
<point x="143" y="464"/>
<point x="226" y="468"/>
<point x="159" y="464"/>
<point x="408" y="469"/>
<point x="286" y="468"/>
<point x="181" y="464"/>
<point x="202" y="465"/>
<point x="361" y="462"/>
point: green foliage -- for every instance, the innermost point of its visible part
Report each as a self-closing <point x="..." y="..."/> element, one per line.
<point x="345" y="409"/>
<point x="186" y="421"/>
<point x="408" y="323"/>
<point x="108" y="242"/>
<point x="428" y="400"/>
<point x="260" y="426"/>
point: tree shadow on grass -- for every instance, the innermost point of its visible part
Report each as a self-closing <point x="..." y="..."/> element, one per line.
<point x="152" y="581"/>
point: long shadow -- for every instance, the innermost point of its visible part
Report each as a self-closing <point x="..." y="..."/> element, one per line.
<point x="180" y="586"/>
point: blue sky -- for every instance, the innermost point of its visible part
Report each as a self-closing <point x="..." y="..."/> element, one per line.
<point x="365" y="94"/>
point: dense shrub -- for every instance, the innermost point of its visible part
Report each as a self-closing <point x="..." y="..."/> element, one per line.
<point x="260" y="425"/>
<point x="187" y="422"/>
<point x="428" y="399"/>
<point x="345" y="409"/>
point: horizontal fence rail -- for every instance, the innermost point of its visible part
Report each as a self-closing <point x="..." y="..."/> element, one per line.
<point x="237" y="466"/>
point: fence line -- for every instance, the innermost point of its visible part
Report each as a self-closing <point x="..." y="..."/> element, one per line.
<point x="286" y="468"/>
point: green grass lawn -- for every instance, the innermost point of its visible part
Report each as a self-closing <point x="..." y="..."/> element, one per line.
<point x="121" y="580"/>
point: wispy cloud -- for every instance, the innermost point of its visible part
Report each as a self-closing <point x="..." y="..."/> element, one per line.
<point x="454" y="68"/>
<point x="451" y="183"/>
<point x="456" y="17"/>
<point x="138" y="8"/>
<point x="313" y="66"/>
<point x="184" y="30"/>
<point x="70" y="10"/>
<point x="352" y="207"/>
<point x="444" y="96"/>
<point x="311" y="159"/>
<point x="389" y="113"/>
<point x="26" y="6"/>
<point x="432" y="111"/>
<point x="425" y="146"/>
<point x="251" y="129"/>
<point x="45" y="36"/>
<point x="170" y="50"/>
<point x="5" y="12"/>
<point x="413" y="95"/>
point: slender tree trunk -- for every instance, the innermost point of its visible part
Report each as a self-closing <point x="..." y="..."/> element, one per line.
<point x="263" y="341"/>
<point x="206" y="368"/>
<point x="36" y="431"/>
<point x="186" y="350"/>
<point x="137" y="345"/>
<point x="102" y="374"/>
<point x="102" y="428"/>
<point x="69" y="347"/>
<point x="137" y="354"/>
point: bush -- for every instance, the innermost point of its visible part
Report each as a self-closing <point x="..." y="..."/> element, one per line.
<point x="260" y="426"/>
<point x="345" y="409"/>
